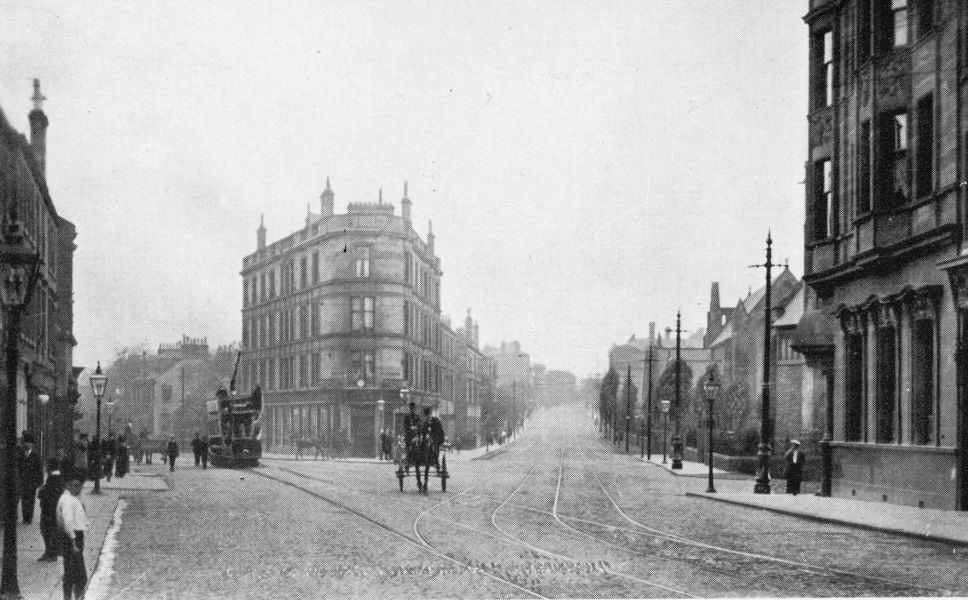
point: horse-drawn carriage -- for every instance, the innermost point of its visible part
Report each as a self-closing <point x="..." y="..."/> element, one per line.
<point x="337" y="446"/>
<point x="423" y="451"/>
<point x="425" y="456"/>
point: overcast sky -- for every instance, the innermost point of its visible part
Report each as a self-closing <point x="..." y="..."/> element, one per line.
<point x="588" y="166"/>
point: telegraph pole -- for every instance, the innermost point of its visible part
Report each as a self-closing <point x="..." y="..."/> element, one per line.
<point x="628" y="405"/>
<point x="648" y="417"/>
<point x="677" y="435"/>
<point x="766" y="430"/>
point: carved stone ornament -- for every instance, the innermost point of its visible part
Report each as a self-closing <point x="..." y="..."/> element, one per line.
<point x="892" y="80"/>
<point x="885" y="314"/>
<point x="850" y="321"/>
<point x="959" y="286"/>
<point x="922" y="306"/>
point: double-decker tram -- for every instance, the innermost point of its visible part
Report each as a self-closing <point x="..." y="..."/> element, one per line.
<point x="234" y="427"/>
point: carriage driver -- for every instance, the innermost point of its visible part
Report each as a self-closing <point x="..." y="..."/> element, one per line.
<point x="411" y="426"/>
<point x="434" y="429"/>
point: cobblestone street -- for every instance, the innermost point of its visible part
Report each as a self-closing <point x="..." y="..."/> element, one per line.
<point x="557" y="513"/>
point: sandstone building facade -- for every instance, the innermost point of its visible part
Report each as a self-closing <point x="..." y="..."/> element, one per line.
<point x="884" y="239"/>
<point x="340" y="317"/>
<point x="46" y="349"/>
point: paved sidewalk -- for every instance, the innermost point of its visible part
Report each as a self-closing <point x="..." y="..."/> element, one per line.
<point x="694" y="469"/>
<point x="924" y="523"/>
<point x="43" y="579"/>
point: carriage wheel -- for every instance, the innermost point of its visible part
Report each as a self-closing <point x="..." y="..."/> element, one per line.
<point x="443" y="474"/>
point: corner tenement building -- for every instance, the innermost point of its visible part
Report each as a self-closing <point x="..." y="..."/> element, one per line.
<point x="885" y="256"/>
<point x="340" y="316"/>
<point x="46" y="350"/>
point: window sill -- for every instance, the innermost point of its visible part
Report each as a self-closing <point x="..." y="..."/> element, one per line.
<point x="894" y="447"/>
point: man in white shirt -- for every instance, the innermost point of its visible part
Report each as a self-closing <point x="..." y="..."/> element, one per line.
<point x="72" y="523"/>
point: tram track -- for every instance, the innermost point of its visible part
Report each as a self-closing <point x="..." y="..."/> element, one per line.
<point x="642" y="529"/>
<point x="552" y="554"/>
<point x="419" y="543"/>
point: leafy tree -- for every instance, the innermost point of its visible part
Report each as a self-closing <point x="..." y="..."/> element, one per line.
<point x="607" y="397"/>
<point x="666" y="388"/>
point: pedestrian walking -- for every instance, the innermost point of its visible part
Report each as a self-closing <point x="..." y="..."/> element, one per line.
<point x="145" y="445"/>
<point x="72" y="525"/>
<point x="80" y="456"/>
<point x="49" y="494"/>
<point x="123" y="459"/>
<point x="386" y="445"/>
<point x="795" y="460"/>
<point x="30" y="473"/>
<point x="109" y="453"/>
<point x="197" y="449"/>
<point x="172" y="452"/>
<point x="203" y="452"/>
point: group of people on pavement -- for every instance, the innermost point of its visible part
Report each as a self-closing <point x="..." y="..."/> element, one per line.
<point x="63" y="520"/>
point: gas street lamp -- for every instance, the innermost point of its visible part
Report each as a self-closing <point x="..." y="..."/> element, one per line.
<point x="665" y="426"/>
<point x="98" y="382"/>
<point x="44" y="399"/>
<point x="110" y="406"/>
<point x="19" y="263"/>
<point x="710" y="388"/>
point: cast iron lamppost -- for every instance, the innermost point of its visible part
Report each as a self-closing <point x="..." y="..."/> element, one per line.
<point x="404" y="396"/>
<point x="665" y="427"/>
<point x="98" y="382"/>
<point x="19" y="264"/>
<point x="711" y="388"/>
<point x="44" y="399"/>
<point x="110" y="406"/>
<point x="762" y="485"/>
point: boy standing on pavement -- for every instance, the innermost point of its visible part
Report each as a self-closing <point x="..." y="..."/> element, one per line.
<point x="72" y="524"/>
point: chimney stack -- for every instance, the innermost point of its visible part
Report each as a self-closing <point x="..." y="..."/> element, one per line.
<point x="260" y="233"/>
<point x="405" y="209"/>
<point x="326" y="201"/>
<point x="38" y="128"/>
<point x="430" y="236"/>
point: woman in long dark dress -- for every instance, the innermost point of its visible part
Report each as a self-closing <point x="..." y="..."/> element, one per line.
<point x="122" y="457"/>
